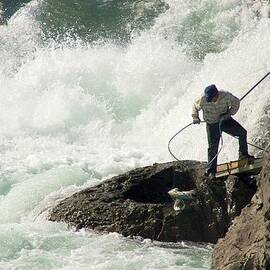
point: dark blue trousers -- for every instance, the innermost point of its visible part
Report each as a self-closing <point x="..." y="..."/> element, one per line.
<point x="231" y="127"/>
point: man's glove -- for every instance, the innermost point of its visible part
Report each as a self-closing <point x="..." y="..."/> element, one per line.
<point x="224" y="117"/>
<point x="196" y="120"/>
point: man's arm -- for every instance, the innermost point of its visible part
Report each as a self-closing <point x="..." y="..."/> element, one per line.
<point x="234" y="104"/>
<point x="195" y="110"/>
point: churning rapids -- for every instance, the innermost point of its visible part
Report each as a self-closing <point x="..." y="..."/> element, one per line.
<point x="84" y="97"/>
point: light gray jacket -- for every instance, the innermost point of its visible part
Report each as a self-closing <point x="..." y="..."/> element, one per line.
<point x="225" y="104"/>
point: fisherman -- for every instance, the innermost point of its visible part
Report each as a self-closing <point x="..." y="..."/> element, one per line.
<point x="218" y="108"/>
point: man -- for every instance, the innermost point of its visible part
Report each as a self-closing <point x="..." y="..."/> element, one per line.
<point x="218" y="107"/>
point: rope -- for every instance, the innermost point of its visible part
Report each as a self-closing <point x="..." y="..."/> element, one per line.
<point x="252" y="88"/>
<point x="221" y="138"/>
<point x="221" y="142"/>
<point x="169" y="149"/>
<point x="174" y="137"/>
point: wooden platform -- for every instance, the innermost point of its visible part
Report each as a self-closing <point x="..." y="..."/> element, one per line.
<point x="240" y="167"/>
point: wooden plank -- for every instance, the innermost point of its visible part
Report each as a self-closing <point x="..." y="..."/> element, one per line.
<point x="248" y="167"/>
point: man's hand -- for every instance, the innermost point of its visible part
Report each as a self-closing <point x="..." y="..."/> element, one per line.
<point x="224" y="117"/>
<point x="196" y="120"/>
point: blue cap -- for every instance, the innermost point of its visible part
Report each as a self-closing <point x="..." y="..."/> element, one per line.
<point x="209" y="92"/>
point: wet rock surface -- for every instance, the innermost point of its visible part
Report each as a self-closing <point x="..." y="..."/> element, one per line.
<point x="137" y="204"/>
<point x="246" y="245"/>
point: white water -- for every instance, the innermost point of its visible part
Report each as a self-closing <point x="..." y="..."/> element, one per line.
<point x="72" y="117"/>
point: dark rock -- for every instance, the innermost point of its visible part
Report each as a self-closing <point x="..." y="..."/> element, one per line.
<point x="247" y="243"/>
<point x="239" y="193"/>
<point x="137" y="204"/>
